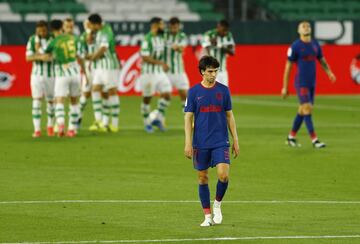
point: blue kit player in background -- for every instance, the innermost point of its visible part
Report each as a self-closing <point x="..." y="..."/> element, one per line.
<point x="304" y="52"/>
<point x="208" y="105"/>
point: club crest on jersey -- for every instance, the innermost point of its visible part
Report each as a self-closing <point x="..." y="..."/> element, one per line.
<point x="219" y="96"/>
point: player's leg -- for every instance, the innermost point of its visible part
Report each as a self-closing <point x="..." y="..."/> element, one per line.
<point x="85" y="95"/>
<point x="201" y="161"/>
<point x="37" y="94"/>
<point x="50" y="105"/>
<point x="306" y="110"/>
<point x="114" y="101"/>
<point x="163" y="85"/>
<point x="183" y="86"/>
<point x="223" y="78"/>
<point x="105" y="111"/>
<point x="220" y="158"/>
<point x="299" y="118"/>
<point x="148" y="90"/>
<point x="74" y="109"/>
<point x="96" y="91"/>
<point x="61" y="92"/>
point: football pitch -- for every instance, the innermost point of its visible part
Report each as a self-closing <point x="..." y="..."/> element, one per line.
<point x="133" y="187"/>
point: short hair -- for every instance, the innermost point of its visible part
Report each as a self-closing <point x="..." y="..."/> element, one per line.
<point x="95" y="19"/>
<point x="224" y="23"/>
<point x="69" y="19"/>
<point x="208" y="62"/>
<point x="174" y="21"/>
<point x="56" y="24"/>
<point x="155" y="20"/>
<point x="41" y="23"/>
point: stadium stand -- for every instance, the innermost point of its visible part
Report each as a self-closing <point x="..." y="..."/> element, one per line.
<point x="313" y="9"/>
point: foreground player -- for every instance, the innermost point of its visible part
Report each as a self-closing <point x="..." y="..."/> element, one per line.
<point x="153" y="78"/>
<point x="175" y="44"/>
<point x="209" y="104"/>
<point x="64" y="49"/>
<point x="105" y="76"/>
<point x="219" y="43"/>
<point x="42" y="79"/>
<point x="304" y="52"/>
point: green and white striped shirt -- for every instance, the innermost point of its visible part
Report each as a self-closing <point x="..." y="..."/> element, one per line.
<point x="39" y="68"/>
<point x="153" y="46"/>
<point x="105" y="38"/>
<point x="174" y="58"/>
<point x="87" y="49"/>
<point x="216" y="51"/>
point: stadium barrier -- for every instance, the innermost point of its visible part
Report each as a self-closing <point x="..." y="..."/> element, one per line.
<point x="254" y="70"/>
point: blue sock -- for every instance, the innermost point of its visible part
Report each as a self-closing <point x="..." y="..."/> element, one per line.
<point x="310" y="126"/>
<point x="220" y="190"/>
<point x="297" y="124"/>
<point x="204" y="194"/>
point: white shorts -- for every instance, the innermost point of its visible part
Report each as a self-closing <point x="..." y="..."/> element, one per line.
<point x="152" y="83"/>
<point x="223" y="78"/>
<point x="42" y="86"/>
<point x="68" y="86"/>
<point x="107" y="78"/>
<point x="86" y="87"/>
<point x="180" y="81"/>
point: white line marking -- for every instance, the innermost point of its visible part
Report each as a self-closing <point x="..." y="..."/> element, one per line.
<point x="292" y="105"/>
<point x="180" y="201"/>
<point x="197" y="239"/>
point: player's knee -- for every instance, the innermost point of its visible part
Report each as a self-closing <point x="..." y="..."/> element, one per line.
<point x="223" y="177"/>
<point x="203" y="179"/>
<point x="166" y="96"/>
<point x="306" y="109"/>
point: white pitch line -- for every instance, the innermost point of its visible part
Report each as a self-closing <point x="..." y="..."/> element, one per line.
<point x="197" y="239"/>
<point x="179" y="201"/>
<point x="292" y="105"/>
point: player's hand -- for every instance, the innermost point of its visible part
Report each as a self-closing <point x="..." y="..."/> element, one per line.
<point x="188" y="151"/>
<point x="284" y="93"/>
<point x="235" y="150"/>
<point x="46" y="57"/>
<point x="165" y="67"/>
<point x="332" y="77"/>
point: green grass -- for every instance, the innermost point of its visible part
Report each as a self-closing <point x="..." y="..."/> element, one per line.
<point x="132" y="165"/>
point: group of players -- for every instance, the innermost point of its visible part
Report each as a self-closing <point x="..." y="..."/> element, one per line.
<point x="87" y="66"/>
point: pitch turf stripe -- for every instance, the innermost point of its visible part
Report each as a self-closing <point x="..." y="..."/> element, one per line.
<point x="183" y="201"/>
<point x="198" y="239"/>
<point x="291" y="105"/>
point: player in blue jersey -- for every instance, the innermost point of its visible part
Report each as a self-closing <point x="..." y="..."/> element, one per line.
<point x="304" y="52"/>
<point x="208" y="104"/>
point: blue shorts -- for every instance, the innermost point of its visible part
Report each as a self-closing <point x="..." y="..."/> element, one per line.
<point x="305" y="94"/>
<point x="205" y="158"/>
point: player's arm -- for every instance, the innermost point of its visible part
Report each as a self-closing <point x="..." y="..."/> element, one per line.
<point x="188" y="150"/>
<point x="98" y="54"/>
<point x="232" y="127"/>
<point x="285" y="91"/>
<point x="146" y="57"/>
<point x="229" y="49"/>
<point x="208" y="43"/>
<point x="181" y="45"/>
<point x="327" y="69"/>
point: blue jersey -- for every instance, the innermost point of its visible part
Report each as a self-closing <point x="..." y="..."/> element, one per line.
<point x="305" y="54"/>
<point x="209" y="106"/>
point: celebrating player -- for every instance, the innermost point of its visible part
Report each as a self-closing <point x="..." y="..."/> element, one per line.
<point x="105" y="76"/>
<point x="219" y="43"/>
<point x="42" y="79"/>
<point x="153" y="78"/>
<point x="304" y="52"/>
<point x="175" y="44"/>
<point x="209" y="104"/>
<point x="64" y="49"/>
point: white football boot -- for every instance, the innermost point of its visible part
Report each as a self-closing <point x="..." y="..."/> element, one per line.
<point x="207" y="222"/>
<point x="217" y="212"/>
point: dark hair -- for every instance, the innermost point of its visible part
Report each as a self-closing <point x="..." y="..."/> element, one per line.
<point x="224" y="23"/>
<point x="174" y="21"/>
<point x="155" y="20"/>
<point x="208" y="62"/>
<point x="56" y="24"/>
<point x="69" y="19"/>
<point x="95" y="19"/>
<point x="41" y="23"/>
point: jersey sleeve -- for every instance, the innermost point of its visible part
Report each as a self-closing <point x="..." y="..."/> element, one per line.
<point x="183" y="41"/>
<point x="145" y="47"/>
<point x="292" y="53"/>
<point x="50" y="46"/>
<point x="30" y="47"/>
<point x="206" y="41"/>
<point x="229" y="40"/>
<point x="227" y="101"/>
<point x="103" y="40"/>
<point x="190" y="105"/>
<point x="80" y="48"/>
<point x="319" y="53"/>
